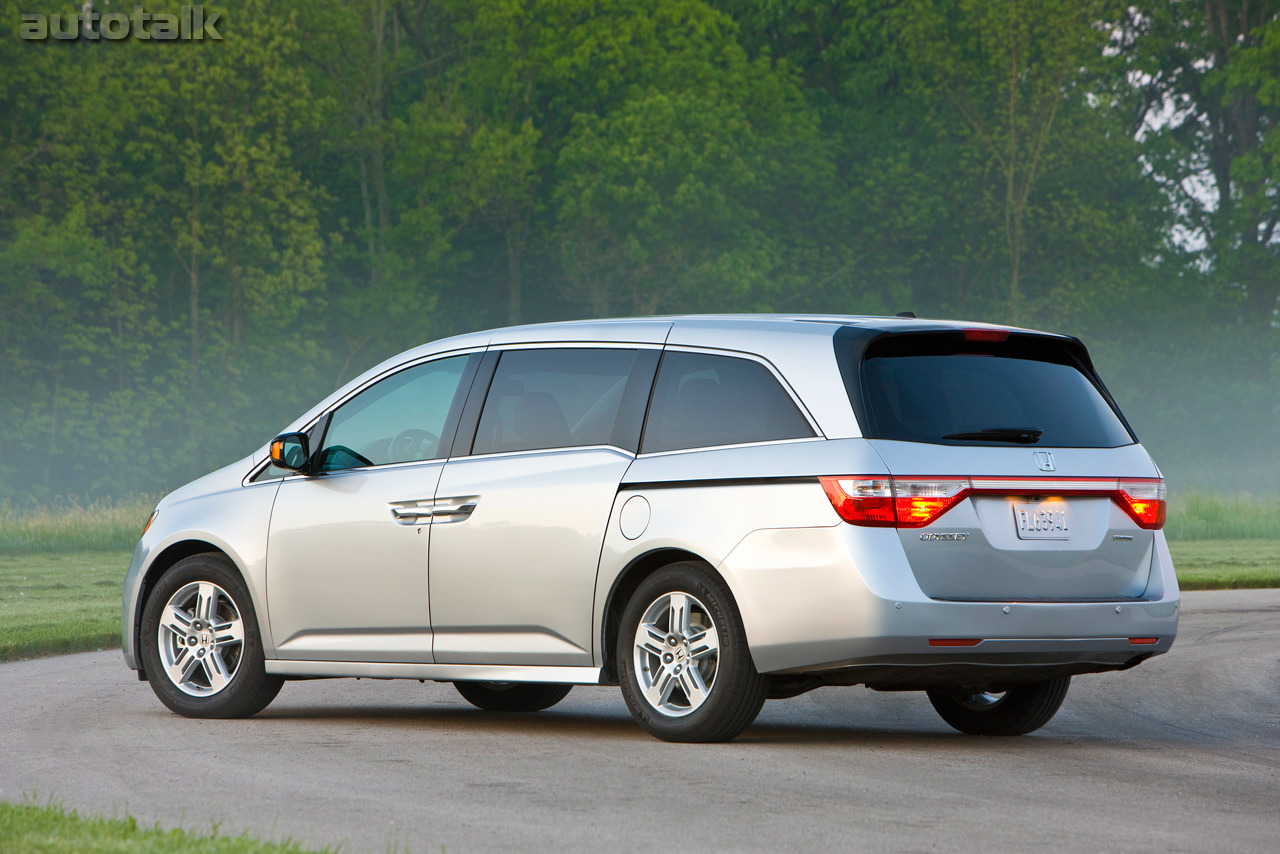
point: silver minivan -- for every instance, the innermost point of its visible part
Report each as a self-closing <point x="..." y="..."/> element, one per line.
<point x="707" y="511"/>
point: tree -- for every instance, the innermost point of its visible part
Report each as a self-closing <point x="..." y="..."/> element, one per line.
<point x="1210" y="118"/>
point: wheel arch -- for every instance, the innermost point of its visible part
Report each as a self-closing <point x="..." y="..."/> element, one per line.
<point x="625" y="584"/>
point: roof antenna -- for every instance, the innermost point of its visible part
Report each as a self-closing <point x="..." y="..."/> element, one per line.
<point x="905" y="314"/>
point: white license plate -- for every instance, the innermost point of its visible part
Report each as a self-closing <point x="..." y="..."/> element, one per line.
<point x="1042" y="520"/>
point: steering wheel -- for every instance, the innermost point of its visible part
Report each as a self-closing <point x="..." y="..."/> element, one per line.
<point x="409" y="445"/>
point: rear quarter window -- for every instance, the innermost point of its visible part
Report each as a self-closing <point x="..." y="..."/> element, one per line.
<point x="940" y="388"/>
<point x="702" y="400"/>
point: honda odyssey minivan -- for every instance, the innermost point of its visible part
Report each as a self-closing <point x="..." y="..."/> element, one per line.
<point x="706" y="511"/>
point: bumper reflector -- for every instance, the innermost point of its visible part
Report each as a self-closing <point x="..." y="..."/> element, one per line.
<point x="1143" y="641"/>
<point x="954" y="641"/>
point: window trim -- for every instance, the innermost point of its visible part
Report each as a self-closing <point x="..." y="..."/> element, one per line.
<point x="818" y="435"/>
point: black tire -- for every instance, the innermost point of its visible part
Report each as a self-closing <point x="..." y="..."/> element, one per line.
<point x="512" y="696"/>
<point x="248" y="688"/>
<point x="729" y="691"/>
<point x="1017" y="711"/>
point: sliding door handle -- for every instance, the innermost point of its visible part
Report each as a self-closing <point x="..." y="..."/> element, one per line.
<point x="453" y="512"/>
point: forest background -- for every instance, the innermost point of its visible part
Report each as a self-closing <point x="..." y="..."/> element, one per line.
<point x="200" y="239"/>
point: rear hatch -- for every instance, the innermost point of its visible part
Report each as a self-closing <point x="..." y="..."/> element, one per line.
<point x="1014" y="476"/>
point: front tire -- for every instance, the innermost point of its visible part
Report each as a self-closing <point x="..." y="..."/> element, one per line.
<point x="512" y="696"/>
<point x="200" y="644"/>
<point x="1017" y="711"/>
<point x="682" y="656"/>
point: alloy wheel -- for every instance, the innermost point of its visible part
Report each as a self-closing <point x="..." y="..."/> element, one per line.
<point x="677" y="654"/>
<point x="201" y="639"/>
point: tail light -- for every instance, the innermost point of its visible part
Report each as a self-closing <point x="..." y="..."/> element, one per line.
<point x="915" y="502"/>
<point x="1144" y="500"/>
<point x="862" y="501"/>
<point x="885" y="502"/>
<point x="918" y="502"/>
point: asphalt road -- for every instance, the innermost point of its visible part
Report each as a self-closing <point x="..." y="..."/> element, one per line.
<point x="1179" y="754"/>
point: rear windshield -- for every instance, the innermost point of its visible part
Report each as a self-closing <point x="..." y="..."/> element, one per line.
<point x="942" y="389"/>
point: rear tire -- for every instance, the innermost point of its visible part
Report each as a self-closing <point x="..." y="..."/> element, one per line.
<point x="512" y="696"/>
<point x="1017" y="711"/>
<point x="682" y="657"/>
<point x="200" y="645"/>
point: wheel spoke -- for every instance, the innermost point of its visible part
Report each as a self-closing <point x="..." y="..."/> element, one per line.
<point x="216" y="669"/>
<point x="679" y="609"/>
<point x="694" y="688"/>
<point x="703" y="643"/>
<point x="654" y="639"/>
<point x="225" y="634"/>
<point x="184" y="663"/>
<point x="176" y="620"/>
<point x="660" y="691"/>
<point x="207" y="602"/>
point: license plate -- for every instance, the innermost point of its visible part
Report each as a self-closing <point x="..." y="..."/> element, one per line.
<point x="1042" y="520"/>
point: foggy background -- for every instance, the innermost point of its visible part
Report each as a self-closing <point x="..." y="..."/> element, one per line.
<point x="199" y="240"/>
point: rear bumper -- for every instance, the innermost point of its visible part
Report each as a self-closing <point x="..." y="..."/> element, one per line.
<point x="826" y="600"/>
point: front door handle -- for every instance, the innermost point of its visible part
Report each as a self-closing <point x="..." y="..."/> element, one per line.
<point x="408" y="514"/>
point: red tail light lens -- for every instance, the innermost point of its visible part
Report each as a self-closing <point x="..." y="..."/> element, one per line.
<point x="862" y="501"/>
<point x="1144" y="500"/>
<point x="883" y="502"/>
<point x="919" y="502"/>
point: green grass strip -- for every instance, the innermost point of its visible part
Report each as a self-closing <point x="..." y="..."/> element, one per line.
<point x="1226" y="564"/>
<point x="61" y="602"/>
<point x="69" y="525"/>
<point x="27" y="828"/>
<point x="1206" y="515"/>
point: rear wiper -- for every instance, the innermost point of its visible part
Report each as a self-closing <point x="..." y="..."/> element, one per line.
<point x="1020" y="435"/>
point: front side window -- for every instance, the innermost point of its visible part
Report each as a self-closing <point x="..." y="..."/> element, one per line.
<point x="556" y="398"/>
<point x="702" y="401"/>
<point x="397" y="420"/>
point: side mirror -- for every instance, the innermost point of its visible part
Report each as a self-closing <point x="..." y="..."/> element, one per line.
<point x="290" y="451"/>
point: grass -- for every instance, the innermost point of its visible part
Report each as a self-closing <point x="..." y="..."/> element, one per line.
<point x="1226" y="564"/>
<point x="27" y="828"/>
<point x="1205" y="515"/>
<point x="69" y="525"/>
<point x="60" y="602"/>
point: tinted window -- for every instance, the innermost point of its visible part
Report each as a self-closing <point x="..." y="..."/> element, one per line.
<point x="556" y="398"/>
<point x="1020" y="393"/>
<point x="701" y="401"/>
<point x="396" y="420"/>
